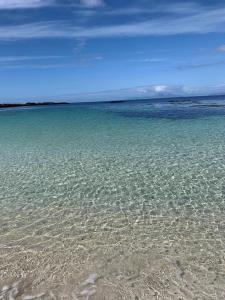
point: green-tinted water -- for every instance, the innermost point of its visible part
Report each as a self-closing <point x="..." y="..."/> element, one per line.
<point x="113" y="201"/>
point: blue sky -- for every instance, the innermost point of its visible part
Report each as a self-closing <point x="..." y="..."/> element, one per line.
<point x="110" y="49"/>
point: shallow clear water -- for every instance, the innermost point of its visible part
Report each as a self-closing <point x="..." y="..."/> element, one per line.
<point x="113" y="201"/>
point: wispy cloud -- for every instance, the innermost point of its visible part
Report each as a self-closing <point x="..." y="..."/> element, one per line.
<point x="176" y="90"/>
<point x="21" y="4"/>
<point x="200" y="23"/>
<point x="201" y="65"/>
<point x="176" y="8"/>
<point x="153" y="90"/>
<point x="46" y="66"/>
<point x="89" y="58"/>
<point x="81" y="43"/>
<point x="18" y="4"/>
<point x="92" y="3"/>
<point x="221" y="48"/>
<point x="46" y="62"/>
<point x="8" y="59"/>
<point x="147" y="60"/>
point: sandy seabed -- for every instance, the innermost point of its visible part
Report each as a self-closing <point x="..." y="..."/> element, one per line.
<point x="111" y="208"/>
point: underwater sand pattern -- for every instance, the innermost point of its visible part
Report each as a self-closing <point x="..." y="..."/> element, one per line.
<point x="95" y="205"/>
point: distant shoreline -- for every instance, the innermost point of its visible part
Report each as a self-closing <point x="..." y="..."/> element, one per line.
<point x="171" y="99"/>
<point x="30" y="104"/>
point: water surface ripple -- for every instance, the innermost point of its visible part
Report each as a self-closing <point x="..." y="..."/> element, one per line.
<point x="113" y="201"/>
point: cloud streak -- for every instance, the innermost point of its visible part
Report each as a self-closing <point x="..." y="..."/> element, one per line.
<point x="178" y="8"/>
<point x="201" y="65"/>
<point x="9" y="59"/>
<point x="19" y="4"/>
<point x="147" y="60"/>
<point x="221" y="48"/>
<point x="47" y="61"/>
<point x="92" y="3"/>
<point x="200" y="23"/>
<point x="22" y="4"/>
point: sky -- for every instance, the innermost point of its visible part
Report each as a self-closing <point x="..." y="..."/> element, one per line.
<point x="84" y="50"/>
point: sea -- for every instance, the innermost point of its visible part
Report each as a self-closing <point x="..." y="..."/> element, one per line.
<point x="113" y="200"/>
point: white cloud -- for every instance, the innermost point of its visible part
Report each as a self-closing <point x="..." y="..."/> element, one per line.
<point x="176" y="8"/>
<point x="46" y="61"/>
<point x="9" y="59"/>
<point x="150" y="91"/>
<point x="204" y="22"/>
<point x="16" y="4"/>
<point x="147" y="60"/>
<point x="92" y="3"/>
<point x="181" y="8"/>
<point x="142" y="90"/>
<point x="155" y="90"/>
<point x="89" y="58"/>
<point x="160" y="88"/>
<point x="201" y="65"/>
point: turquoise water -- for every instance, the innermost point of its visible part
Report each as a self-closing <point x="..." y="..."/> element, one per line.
<point x="113" y="201"/>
